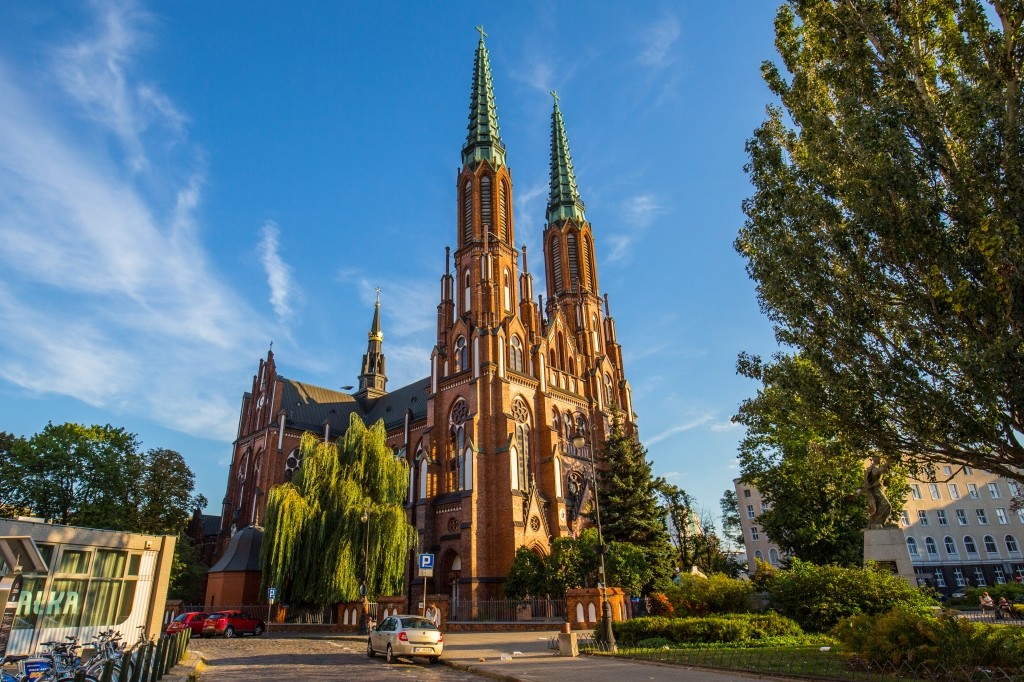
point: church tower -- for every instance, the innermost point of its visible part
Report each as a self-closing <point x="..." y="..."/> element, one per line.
<point x="373" y="378"/>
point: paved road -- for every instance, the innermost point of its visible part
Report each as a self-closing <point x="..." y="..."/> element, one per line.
<point x="302" y="660"/>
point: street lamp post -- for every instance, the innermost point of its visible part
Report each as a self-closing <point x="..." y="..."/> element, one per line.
<point x="365" y="587"/>
<point x="606" y="634"/>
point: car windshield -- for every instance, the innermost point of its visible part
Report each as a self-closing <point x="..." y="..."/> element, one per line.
<point x="418" y="624"/>
<point x="182" y="618"/>
<point x="216" y="615"/>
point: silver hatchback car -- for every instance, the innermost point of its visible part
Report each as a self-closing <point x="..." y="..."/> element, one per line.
<point x="405" y="636"/>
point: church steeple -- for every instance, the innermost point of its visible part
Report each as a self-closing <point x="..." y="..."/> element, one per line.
<point x="483" y="140"/>
<point x="373" y="379"/>
<point x="564" y="198"/>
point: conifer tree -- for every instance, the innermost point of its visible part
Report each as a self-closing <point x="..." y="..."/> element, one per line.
<point x="315" y="542"/>
<point x="629" y="503"/>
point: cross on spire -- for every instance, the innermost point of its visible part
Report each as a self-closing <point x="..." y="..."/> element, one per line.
<point x="378" y="295"/>
<point x="480" y="30"/>
<point x="554" y="93"/>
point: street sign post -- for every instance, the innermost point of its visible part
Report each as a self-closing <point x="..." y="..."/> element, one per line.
<point x="271" y="596"/>
<point x="427" y="571"/>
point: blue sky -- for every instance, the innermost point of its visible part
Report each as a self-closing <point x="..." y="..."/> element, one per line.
<point x="181" y="183"/>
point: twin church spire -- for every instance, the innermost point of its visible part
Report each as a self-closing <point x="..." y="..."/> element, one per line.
<point x="483" y="140"/>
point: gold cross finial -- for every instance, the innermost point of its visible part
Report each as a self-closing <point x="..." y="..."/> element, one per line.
<point x="554" y="93"/>
<point x="480" y="29"/>
<point x="378" y="295"/>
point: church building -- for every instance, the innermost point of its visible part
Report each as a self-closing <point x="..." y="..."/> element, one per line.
<point x="515" y="374"/>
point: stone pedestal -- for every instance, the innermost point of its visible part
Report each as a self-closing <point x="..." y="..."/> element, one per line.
<point x="888" y="548"/>
<point x="567" y="644"/>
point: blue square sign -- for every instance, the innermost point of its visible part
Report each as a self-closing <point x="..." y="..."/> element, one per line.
<point x="426" y="560"/>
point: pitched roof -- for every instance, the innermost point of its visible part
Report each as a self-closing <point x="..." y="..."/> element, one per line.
<point x="308" y="407"/>
<point x="243" y="552"/>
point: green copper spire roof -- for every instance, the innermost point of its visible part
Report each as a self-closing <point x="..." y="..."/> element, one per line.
<point x="483" y="140"/>
<point x="564" y="200"/>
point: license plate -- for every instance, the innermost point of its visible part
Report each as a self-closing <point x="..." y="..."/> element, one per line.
<point x="421" y="649"/>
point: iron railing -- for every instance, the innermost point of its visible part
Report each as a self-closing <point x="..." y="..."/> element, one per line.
<point x="508" y="611"/>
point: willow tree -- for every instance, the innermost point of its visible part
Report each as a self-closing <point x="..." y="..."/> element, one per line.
<point x="317" y="548"/>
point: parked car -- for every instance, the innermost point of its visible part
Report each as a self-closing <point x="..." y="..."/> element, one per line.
<point x="231" y="623"/>
<point x="405" y="636"/>
<point x="190" y="621"/>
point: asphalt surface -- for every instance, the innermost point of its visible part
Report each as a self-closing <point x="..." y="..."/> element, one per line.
<point x="510" y="656"/>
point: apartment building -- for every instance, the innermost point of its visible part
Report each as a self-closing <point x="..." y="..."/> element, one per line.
<point x="959" y="528"/>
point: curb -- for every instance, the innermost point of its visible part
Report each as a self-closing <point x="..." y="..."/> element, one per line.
<point x="476" y="670"/>
<point x="191" y="667"/>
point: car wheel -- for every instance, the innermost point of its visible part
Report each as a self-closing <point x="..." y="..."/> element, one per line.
<point x="229" y="632"/>
<point x="258" y="631"/>
<point x="390" y="656"/>
<point x="435" y="659"/>
<point x="369" y="649"/>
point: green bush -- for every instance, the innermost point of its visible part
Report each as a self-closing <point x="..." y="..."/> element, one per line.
<point x="724" y="628"/>
<point x="1010" y="590"/>
<point x="818" y="597"/>
<point x="906" y="636"/>
<point x="696" y="595"/>
<point x="654" y="643"/>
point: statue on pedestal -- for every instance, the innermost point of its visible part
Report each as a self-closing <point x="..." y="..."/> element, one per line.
<point x="879" y="508"/>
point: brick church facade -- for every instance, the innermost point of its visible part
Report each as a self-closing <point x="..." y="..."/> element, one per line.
<point x="514" y="375"/>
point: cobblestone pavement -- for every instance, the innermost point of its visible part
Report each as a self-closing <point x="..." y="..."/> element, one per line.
<point x="300" y="660"/>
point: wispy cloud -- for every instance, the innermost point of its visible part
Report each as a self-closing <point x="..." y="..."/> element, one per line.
<point x="723" y="427"/>
<point x="658" y="40"/>
<point x="688" y="425"/>
<point x="638" y="212"/>
<point x="107" y="293"/>
<point x="279" y="276"/>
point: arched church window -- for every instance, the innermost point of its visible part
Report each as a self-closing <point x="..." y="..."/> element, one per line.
<point x="587" y="279"/>
<point x="515" y="354"/>
<point x="466" y="298"/>
<point x="521" y="416"/>
<point x="589" y="265"/>
<point x="596" y="330"/>
<point x="561" y="351"/>
<point x="467" y="211"/>
<point x="461" y="353"/>
<point x="455" y="469"/>
<point x="568" y="431"/>
<point x="556" y="263"/>
<point x="485" y="203"/>
<point x="574" y="263"/>
<point x="609" y="393"/>
<point x="507" y="291"/>
<point x="503" y="208"/>
<point x="582" y="427"/>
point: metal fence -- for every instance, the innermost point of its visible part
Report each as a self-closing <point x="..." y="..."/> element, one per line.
<point x="808" y="663"/>
<point x="508" y="611"/>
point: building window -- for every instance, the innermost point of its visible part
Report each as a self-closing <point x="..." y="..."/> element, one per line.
<point x="485" y="203"/>
<point x="1011" y="544"/>
<point x="940" y="579"/>
<point x="905" y="517"/>
<point x="746" y="492"/>
<point x="941" y="514"/>
<point x="503" y="211"/>
<point x="912" y="547"/>
<point x="508" y="292"/>
<point x="972" y="491"/>
<point x="961" y="517"/>
<point x="609" y="394"/>
<point x="764" y="506"/>
<point x="754" y="534"/>
<point x="967" y="471"/>
<point x="990" y="545"/>
<point x="556" y="264"/>
<point x="467" y="211"/>
<point x="461" y="354"/>
<point x="292" y="463"/>
<point x="950" y="544"/>
<point x="1014" y="488"/>
<point x="948" y="471"/>
<point x="931" y="548"/>
<point x="773" y="556"/>
<point x="982" y="518"/>
<point x="1020" y="514"/>
<point x="758" y="556"/>
<point x="993" y="490"/>
<point x="1000" y="576"/>
<point x="954" y="492"/>
<point x="1001" y="516"/>
<point x="521" y="415"/>
<point x="515" y="354"/>
<point x="750" y="512"/>
<point x="915" y="491"/>
<point x="466" y="293"/>
<point x="574" y="261"/>
<point x="455" y="469"/>
<point x="922" y="517"/>
<point x="958" y="575"/>
<point x="969" y="545"/>
<point x="979" y="577"/>
<point x="933" y="490"/>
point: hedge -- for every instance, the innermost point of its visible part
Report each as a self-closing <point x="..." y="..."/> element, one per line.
<point x="738" y="627"/>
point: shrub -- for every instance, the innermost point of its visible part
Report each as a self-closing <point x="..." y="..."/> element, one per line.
<point x="659" y="605"/>
<point x="1010" y="590"/>
<point x="818" y="597"/>
<point x="654" y="643"/>
<point x="697" y="595"/>
<point x="906" y="636"/>
<point x="725" y="628"/>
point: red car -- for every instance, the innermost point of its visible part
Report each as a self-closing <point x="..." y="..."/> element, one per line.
<point x="231" y="623"/>
<point x="191" y="621"/>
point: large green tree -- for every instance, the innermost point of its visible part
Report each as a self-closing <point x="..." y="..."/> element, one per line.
<point x="316" y="541"/>
<point x="683" y="524"/>
<point x="630" y="509"/>
<point x="797" y="456"/>
<point x="885" y="229"/>
<point x="731" y="527"/>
